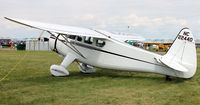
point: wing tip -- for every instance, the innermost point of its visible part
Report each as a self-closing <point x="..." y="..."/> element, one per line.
<point x="8" y="19"/>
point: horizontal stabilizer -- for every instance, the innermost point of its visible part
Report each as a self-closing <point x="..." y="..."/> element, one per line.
<point x="174" y="65"/>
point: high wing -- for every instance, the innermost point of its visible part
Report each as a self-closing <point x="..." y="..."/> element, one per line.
<point x="77" y="31"/>
<point x="60" y="29"/>
<point x="121" y="37"/>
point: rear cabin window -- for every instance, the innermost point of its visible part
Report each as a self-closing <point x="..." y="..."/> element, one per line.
<point x="88" y="40"/>
<point x="100" y="43"/>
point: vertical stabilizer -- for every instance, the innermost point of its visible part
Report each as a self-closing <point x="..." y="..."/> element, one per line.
<point x="182" y="54"/>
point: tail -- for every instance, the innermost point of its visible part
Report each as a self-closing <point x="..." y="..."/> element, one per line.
<point x="182" y="54"/>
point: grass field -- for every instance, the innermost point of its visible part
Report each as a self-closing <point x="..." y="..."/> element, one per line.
<point x="26" y="80"/>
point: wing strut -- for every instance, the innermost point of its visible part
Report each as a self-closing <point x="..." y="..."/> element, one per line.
<point x="73" y="47"/>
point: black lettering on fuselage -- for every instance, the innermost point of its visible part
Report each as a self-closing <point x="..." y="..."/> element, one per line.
<point x="181" y="37"/>
<point x="186" y="33"/>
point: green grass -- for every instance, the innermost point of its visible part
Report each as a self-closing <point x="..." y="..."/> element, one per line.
<point x="198" y="50"/>
<point x="30" y="83"/>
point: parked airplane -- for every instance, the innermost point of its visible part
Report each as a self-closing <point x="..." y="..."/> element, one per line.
<point x="100" y="48"/>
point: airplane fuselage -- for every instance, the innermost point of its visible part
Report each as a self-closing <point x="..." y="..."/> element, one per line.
<point x="114" y="55"/>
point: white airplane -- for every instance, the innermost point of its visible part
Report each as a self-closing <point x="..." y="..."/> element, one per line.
<point x="98" y="48"/>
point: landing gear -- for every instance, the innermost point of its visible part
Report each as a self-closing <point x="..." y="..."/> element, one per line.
<point x="87" y="69"/>
<point x="60" y="70"/>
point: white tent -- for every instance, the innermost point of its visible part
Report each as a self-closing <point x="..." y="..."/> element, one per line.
<point x="37" y="45"/>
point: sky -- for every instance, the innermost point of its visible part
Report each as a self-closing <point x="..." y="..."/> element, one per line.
<point x="151" y="19"/>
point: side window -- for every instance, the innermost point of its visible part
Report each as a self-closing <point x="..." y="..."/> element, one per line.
<point x="100" y="43"/>
<point x="88" y="40"/>
<point x="79" y="38"/>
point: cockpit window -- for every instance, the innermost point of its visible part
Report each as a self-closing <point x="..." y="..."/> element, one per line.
<point x="100" y="43"/>
<point x="72" y="37"/>
<point x="88" y="40"/>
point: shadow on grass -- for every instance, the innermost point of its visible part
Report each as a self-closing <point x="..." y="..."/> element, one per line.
<point x="109" y="74"/>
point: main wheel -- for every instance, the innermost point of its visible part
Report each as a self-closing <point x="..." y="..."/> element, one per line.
<point x="58" y="71"/>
